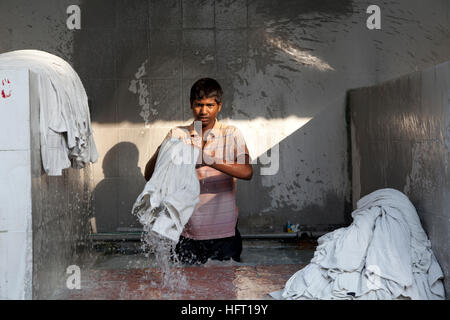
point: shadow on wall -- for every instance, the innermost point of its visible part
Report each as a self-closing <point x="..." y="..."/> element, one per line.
<point x="115" y="195"/>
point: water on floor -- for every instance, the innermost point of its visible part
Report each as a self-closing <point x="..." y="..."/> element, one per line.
<point x="122" y="271"/>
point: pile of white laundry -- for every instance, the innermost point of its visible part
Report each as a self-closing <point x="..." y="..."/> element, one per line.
<point x="65" y="127"/>
<point x="383" y="254"/>
<point x="170" y="196"/>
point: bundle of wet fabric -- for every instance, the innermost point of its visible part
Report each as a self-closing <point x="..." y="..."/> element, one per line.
<point x="170" y="196"/>
<point x="383" y="254"/>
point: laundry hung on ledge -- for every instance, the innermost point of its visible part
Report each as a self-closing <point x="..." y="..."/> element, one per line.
<point x="66" y="137"/>
<point x="384" y="254"/>
<point x="171" y="195"/>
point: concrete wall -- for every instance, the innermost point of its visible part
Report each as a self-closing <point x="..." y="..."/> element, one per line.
<point x="285" y="67"/>
<point x="401" y="140"/>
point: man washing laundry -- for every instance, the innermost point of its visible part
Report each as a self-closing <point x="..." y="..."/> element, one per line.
<point x="211" y="232"/>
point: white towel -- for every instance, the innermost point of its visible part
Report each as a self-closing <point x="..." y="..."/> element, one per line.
<point x="383" y="254"/>
<point x="65" y="126"/>
<point x="170" y="196"/>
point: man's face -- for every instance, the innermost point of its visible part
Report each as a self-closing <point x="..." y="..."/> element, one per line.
<point x="205" y="110"/>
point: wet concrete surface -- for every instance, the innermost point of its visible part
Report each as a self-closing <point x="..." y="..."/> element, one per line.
<point x="130" y="275"/>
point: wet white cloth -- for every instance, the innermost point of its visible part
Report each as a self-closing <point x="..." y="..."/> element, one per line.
<point x="65" y="127"/>
<point x="383" y="254"/>
<point x="170" y="196"/>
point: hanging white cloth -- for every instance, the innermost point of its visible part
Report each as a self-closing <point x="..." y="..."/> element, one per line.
<point x="383" y="254"/>
<point x="65" y="127"/>
<point x="170" y="196"/>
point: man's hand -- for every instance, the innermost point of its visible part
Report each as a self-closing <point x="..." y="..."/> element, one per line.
<point x="237" y="170"/>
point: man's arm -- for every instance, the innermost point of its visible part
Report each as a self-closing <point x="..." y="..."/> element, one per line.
<point x="241" y="170"/>
<point x="150" y="166"/>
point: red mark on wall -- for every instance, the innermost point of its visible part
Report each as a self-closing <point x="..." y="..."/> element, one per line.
<point x="6" y="91"/>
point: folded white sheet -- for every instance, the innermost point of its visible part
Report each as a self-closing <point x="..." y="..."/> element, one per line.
<point x="383" y="254"/>
<point x="170" y="196"/>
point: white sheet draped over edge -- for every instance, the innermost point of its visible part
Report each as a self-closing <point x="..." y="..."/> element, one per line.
<point x="170" y="196"/>
<point x="383" y="254"/>
<point x="64" y="109"/>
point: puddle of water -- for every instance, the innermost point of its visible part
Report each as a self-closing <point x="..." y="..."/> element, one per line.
<point x="224" y="263"/>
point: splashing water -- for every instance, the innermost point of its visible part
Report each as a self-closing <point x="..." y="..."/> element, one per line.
<point x="163" y="250"/>
<point x="161" y="247"/>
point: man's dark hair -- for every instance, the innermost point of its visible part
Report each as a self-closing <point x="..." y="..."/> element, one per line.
<point x="206" y="88"/>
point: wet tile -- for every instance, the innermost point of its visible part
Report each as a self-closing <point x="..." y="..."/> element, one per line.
<point x="307" y="245"/>
<point x="100" y="94"/>
<point x="6" y="34"/>
<point x="132" y="98"/>
<point x="231" y="14"/>
<point x="231" y="42"/>
<point x="104" y="291"/>
<point x="165" y="56"/>
<point x="98" y="14"/>
<point x="210" y="273"/>
<point x="94" y="54"/>
<point x="247" y="271"/>
<point x="147" y="275"/>
<point x="132" y="14"/>
<point x="199" y="58"/>
<point x="129" y="61"/>
<point x="231" y="50"/>
<point x="283" y="269"/>
<point x="198" y="14"/>
<point x="165" y="99"/>
<point x="145" y="294"/>
<point x="431" y="109"/>
<point x="165" y="14"/>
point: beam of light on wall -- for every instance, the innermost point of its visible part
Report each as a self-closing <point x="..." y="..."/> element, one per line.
<point x="263" y="134"/>
<point x="260" y="135"/>
<point x="299" y="55"/>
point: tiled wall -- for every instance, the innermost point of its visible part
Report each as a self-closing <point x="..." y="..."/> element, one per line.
<point x="401" y="140"/>
<point x="280" y="62"/>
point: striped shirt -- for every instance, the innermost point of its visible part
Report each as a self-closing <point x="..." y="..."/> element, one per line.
<point x="216" y="213"/>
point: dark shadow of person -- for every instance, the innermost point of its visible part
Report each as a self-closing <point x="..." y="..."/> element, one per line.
<point x="114" y="196"/>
